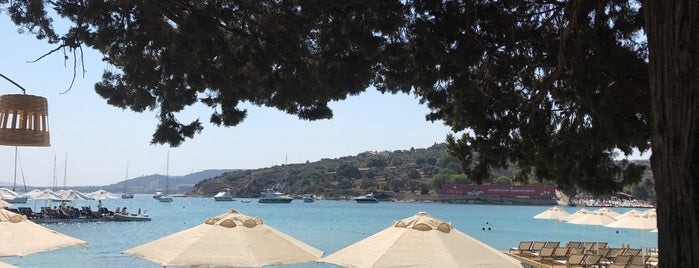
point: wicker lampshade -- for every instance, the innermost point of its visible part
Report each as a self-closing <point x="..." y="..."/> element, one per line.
<point x="24" y="120"/>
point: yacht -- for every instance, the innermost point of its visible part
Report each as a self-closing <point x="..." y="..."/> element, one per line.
<point x="165" y="198"/>
<point x="223" y="196"/>
<point x="309" y="198"/>
<point x="158" y="193"/>
<point x="270" y="196"/>
<point x="367" y="198"/>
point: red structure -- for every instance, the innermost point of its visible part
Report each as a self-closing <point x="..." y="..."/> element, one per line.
<point x="528" y="191"/>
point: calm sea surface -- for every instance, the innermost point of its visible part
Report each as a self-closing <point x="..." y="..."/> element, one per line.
<point x="326" y="225"/>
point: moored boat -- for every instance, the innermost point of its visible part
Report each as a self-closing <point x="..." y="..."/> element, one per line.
<point x="126" y="194"/>
<point x="223" y="196"/>
<point x="309" y="198"/>
<point x="367" y="198"/>
<point x="274" y="197"/>
<point x="158" y="194"/>
<point x="130" y="217"/>
<point x="165" y="198"/>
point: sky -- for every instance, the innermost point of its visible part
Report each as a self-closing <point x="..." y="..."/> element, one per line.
<point x="92" y="143"/>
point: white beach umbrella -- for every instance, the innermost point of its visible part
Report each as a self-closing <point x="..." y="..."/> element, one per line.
<point x="72" y="195"/>
<point x="420" y="241"/>
<point x="230" y="240"/>
<point x="609" y="212"/>
<point x="4" y="204"/>
<point x="628" y="213"/>
<point x="593" y="218"/>
<point x="46" y="194"/>
<point x="642" y="222"/>
<point x="553" y="213"/>
<point x="577" y="214"/>
<point x="101" y="195"/>
<point x="650" y="212"/>
<point x="31" y="193"/>
<point x="20" y="237"/>
<point x="6" y="193"/>
<point x="639" y="221"/>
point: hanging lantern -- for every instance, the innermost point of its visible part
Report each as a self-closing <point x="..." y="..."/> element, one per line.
<point x="24" y="120"/>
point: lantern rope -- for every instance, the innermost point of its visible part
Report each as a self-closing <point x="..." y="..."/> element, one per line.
<point x="14" y="83"/>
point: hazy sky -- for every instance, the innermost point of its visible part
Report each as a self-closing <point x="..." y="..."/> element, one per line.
<point x="92" y="142"/>
<point x="99" y="140"/>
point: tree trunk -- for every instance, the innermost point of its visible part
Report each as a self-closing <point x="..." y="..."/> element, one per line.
<point x="672" y="28"/>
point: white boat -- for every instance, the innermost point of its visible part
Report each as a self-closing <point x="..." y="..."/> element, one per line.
<point x="158" y="193"/>
<point x="130" y="217"/>
<point x="223" y="196"/>
<point x="164" y="198"/>
<point x="309" y="198"/>
<point x="270" y="196"/>
<point x="126" y="194"/>
<point x="367" y="198"/>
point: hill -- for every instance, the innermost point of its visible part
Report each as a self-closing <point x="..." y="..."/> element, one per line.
<point x="396" y="171"/>
<point x="400" y="174"/>
<point x="148" y="184"/>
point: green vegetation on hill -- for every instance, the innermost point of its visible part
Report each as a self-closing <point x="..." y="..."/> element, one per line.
<point x="419" y="171"/>
<point x="398" y="171"/>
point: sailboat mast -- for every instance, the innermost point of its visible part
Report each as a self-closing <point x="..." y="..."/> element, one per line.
<point x="54" y="173"/>
<point x="167" y="172"/>
<point x="14" y="183"/>
<point x="126" y="178"/>
<point x="65" y="171"/>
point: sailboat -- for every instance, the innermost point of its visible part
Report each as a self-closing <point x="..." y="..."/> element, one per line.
<point x="17" y="199"/>
<point x="126" y="194"/>
<point x="165" y="198"/>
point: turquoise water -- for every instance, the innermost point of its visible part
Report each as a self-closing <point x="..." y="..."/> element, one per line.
<point x="326" y="225"/>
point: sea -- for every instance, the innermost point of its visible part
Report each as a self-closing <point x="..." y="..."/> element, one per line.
<point x="328" y="225"/>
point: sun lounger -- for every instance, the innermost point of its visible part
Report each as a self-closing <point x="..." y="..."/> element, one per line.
<point x="578" y="250"/>
<point x="545" y="253"/>
<point x="613" y="252"/>
<point x="574" y="260"/>
<point x="592" y="260"/>
<point x="604" y="252"/>
<point x="621" y="259"/>
<point x="632" y="251"/>
<point x="537" y="246"/>
<point x="639" y="259"/>
<point x="523" y="246"/>
<point x="636" y="266"/>
<point x="592" y="247"/>
<point x="574" y="244"/>
<point x="560" y="253"/>
<point x="553" y="244"/>
<point x="615" y="265"/>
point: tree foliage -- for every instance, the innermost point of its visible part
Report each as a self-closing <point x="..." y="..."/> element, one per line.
<point x="557" y="88"/>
